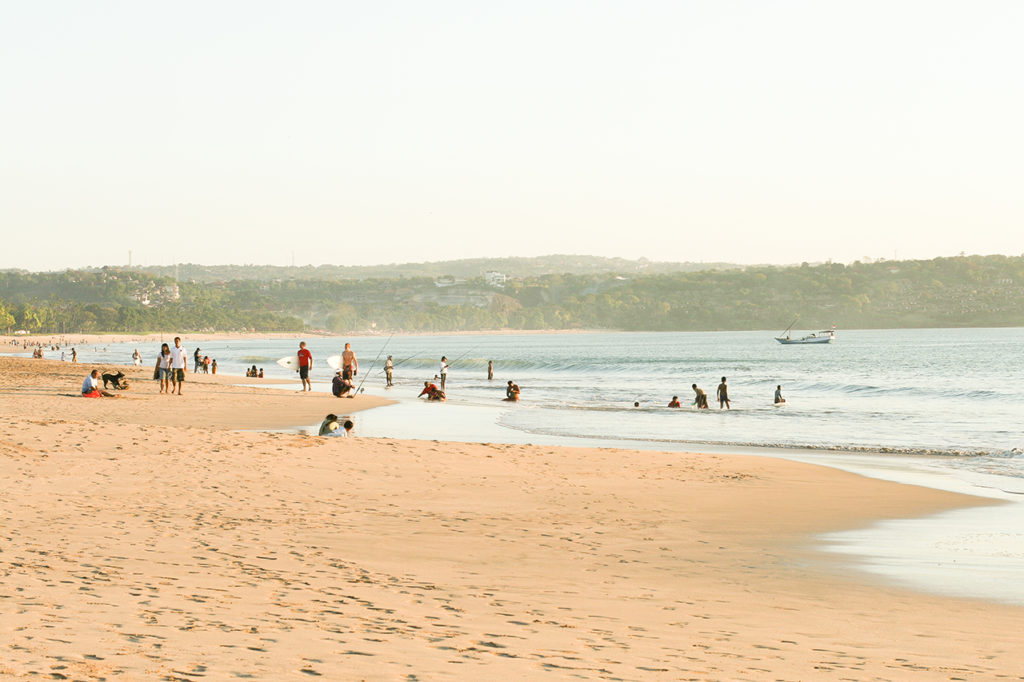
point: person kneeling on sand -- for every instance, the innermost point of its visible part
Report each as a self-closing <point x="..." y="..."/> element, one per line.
<point x="512" y="392"/>
<point x="91" y="387"/>
<point x="432" y="392"/>
<point x="340" y="386"/>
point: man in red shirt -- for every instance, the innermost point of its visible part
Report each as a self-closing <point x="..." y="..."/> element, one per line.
<point x="431" y="391"/>
<point x="305" y="364"/>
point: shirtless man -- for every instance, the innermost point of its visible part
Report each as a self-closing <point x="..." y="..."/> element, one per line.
<point x="512" y="392"/>
<point x="389" y="370"/>
<point x="778" y="395"/>
<point x="701" y="399"/>
<point x="349" y="363"/>
<point x="723" y="395"/>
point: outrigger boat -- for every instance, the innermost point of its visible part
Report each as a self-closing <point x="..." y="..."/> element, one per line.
<point x="826" y="336"/>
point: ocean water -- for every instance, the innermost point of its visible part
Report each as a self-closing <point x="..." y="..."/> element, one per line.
<point x="937" y="407"/>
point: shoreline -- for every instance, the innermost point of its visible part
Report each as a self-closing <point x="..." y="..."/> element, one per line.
<point x="158" y="337"/>
<point x="147" y="535"/>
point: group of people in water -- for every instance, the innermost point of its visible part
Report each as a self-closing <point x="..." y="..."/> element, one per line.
<point x="700" y="397"/>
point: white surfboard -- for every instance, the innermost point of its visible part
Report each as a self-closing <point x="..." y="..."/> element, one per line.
<point x="334" y="362"/>
<point x="289" y="362"/>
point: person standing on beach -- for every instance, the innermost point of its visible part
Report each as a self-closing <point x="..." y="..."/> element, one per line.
<point x="778" y="395"/>
<point x="349" y="363"/>
<point x="163" y="369"/>
<point x="195" y="365"/>
<point x="444" y="371"/>
<point x="74" y="355"/>
<point x="305" y="364"/>
<point x="723" y="395"/>
<point x="490" y="370"/>
<point x="179" y="364"/>
<point x="389" y="368"/>
<point x="213" y="366"/>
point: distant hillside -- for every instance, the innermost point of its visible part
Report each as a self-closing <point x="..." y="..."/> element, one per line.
<point x="468" y="268"/>
<point x="944" y="292"/>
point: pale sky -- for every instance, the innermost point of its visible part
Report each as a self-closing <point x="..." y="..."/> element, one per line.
<point x="379" y="132"/>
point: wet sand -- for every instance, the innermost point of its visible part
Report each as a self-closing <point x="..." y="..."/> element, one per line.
<point x="144" y="537"/>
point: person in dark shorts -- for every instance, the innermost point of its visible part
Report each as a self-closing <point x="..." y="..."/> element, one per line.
<point x="179" y="364"/>
<point x="340" y="386"/>
<point x="305" y="364"/>
<point x="723" y="395"/>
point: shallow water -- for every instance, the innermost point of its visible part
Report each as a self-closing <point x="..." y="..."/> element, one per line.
<point x="944" y="404"/>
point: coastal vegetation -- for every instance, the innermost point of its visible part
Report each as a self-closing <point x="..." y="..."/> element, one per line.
<point x="945" y="292"/>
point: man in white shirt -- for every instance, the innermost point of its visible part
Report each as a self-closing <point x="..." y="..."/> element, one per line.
<point x="91" y="387"/>
<point x="179" y="363"/>
<point x="444" y="372"/>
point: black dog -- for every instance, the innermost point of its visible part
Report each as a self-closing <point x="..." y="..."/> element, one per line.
<point x="116" y="379"/>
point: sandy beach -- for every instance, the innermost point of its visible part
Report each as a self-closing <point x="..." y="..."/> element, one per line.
<point x="147" y="537"/>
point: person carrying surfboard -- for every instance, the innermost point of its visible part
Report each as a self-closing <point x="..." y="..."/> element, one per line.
<point x="305" y="364"/>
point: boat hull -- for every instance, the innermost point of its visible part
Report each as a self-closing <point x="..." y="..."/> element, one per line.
<point x="805" y="341"/>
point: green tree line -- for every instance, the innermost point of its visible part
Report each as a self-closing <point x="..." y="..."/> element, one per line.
<point x="943" y="292"/>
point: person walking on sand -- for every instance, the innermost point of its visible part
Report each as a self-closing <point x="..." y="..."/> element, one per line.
<point x="444" y="371"/>
<point x="778" y="395"/>
<point x="723" y="395"/>
<point x="305" y="364"/>
<point x="179" y="364"/>
<point x="163" y="369"/>
<point x="349" y="362"/>
<point x="389" y="368"/>
<point x="490" y="370"/>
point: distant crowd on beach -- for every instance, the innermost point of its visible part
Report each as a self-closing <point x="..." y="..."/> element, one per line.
<point x="172" y="365"/>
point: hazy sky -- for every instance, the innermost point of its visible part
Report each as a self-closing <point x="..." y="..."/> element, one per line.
<point x="377" y="132"/>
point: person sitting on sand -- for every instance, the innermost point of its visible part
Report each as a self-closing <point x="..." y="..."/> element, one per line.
<point x="778" y="395"/>
<point x="340" y="386"/>
<point x="512" y="392"/>
<point x="701" y="399"/>
<point x="329" y="425"/>
<point x="674" y="402"/>
<point x="333" y="425"/>
<point x="91" y="387"/>
<point x="432" y="392"/>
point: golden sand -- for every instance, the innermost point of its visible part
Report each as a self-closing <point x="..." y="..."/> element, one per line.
<point x="143" y="538"/>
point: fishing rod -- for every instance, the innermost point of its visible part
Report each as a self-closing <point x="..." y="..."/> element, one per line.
<point x="367" y="375"/>
<point x="462" y="356"/>
<point x="381" y="371"/>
